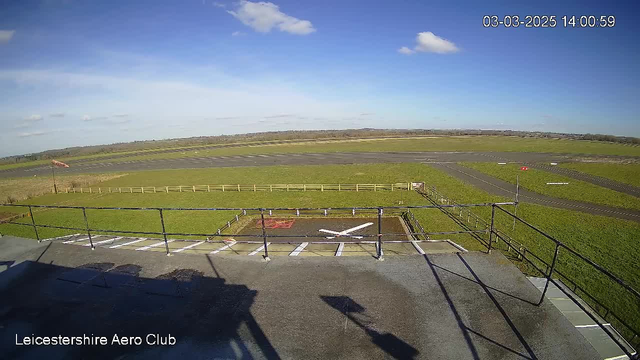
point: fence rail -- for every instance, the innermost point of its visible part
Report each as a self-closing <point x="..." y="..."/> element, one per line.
<point x="241" y="187"/>
<point x="630" y="334"/>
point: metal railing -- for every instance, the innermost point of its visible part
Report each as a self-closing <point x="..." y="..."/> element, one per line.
<point x="377" y="211"/>
<point x="631" y="334"/>
<point x="239" y="188"/>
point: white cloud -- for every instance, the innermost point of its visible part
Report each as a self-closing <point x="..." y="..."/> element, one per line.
<point x="34" y="118"/>
<point x="264" y="16"/>
<point x="220" y="5"/>
<point x="237" y="33"/>
<point x="406" y="51"/>
<point x="6" y="35"/>
<point x="430" y="42"/>
<point x="34" y="133"/>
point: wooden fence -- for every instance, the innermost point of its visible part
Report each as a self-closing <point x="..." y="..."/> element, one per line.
<point x="240" y="187"/>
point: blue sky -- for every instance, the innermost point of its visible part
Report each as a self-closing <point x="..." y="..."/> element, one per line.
<point x="95" y="72"/>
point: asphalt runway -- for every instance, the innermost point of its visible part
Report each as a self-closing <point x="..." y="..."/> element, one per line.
<point x="296" y="159"/>
<point x="443" y="160"/>
<point x="502" y="188"/>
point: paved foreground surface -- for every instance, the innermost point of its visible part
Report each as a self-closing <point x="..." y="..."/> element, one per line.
<point x="499" y="187"/>
<point x="448" y="306"/>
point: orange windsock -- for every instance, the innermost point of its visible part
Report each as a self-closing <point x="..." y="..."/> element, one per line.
<point x="59" y="163"/>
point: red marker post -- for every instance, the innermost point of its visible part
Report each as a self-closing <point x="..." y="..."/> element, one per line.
<point x="524" y="168"/>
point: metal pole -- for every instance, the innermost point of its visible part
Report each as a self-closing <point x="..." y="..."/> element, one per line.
<point x="53" y="174"/>
<point x="86" y="222"/>
<point x="380" y="234"/>
<point x="164" y="233"/>
<point x="553" y="266"/>
<point x="264" y="236"/>
<point x="493" y="214"/>
<point x="33" y="222"/>
<point x="515" y="206"/>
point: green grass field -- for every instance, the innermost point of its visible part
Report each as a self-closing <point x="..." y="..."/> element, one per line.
<point x="437" y="143"/>
<point x="610" y="242"/>
<point x="470" y="143"/>
<point x="624" y="173"/>
<point x="536" y="180"/>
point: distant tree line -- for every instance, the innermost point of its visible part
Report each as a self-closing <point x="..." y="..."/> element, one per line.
<point x="294" y="135"/>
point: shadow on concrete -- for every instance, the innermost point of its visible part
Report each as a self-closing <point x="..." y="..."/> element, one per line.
<point x="500" y="309"/>
<point x="466" y="331"/>
<point x="207" y="317"/>
<point x="389" y="343"/>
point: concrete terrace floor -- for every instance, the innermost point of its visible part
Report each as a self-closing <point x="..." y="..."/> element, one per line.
<point x="444" y="306"/>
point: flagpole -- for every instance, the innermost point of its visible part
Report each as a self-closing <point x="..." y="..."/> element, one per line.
<point x="53" y="174"/>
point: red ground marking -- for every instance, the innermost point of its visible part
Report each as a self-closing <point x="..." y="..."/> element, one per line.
<point x="275" y="224"/>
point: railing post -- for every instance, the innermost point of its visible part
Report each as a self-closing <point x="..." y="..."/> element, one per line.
<point x="493" y="215"/>
<point x="553" y="266"/>
<point x="380" y="234"/>
<point x="264" y="236"/>
<point x="33" y="222"/>
<point x="164" y="233"/>
<point x="86" y="222"/>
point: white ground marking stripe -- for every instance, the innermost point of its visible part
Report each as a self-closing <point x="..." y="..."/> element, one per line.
<point x="222" y="248"/>
<point x="258" y="249"/>
<point x="72" y="241"/>
<point x="618" y="357"/>
<point x="457" y="246"/>
<point x="188" y="247"/>
<point x="60" y="237"/>
<point x="340" y="248"/>
<point x="299" y="249"/>
<point x="418" y="248"/>
<point x="128" y="243"/>
<point x="591" y="325"/>
<point x="104" y="241"/>
<point x="153" y="245"/>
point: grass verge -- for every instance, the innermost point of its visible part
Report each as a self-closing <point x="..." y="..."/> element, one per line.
<point x="536" y="180"/>
<point x="624" y="173"/>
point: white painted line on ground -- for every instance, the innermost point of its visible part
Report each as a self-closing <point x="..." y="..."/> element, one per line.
<point x="340" y="248"/>
<point x="418" y="248"/>
<point x="457" y="246"/>
<point x="261" y="248"/>
<point x="299" y="249"/>
<point x="154" y="245"/>
<point x="128" y="243"/>
<point x="104" y="241"/>
<point x="72" y="241"/>
<point x="188" y="247"/>
<point x="60" y="237"/>
<point x="591" y="325"/>
<point x="619" y="357"/>
<point x="222" y="248"/>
